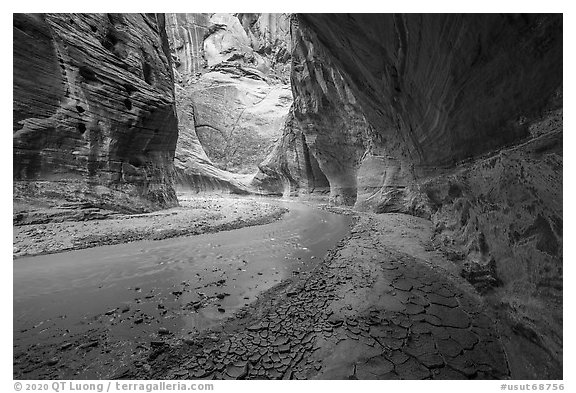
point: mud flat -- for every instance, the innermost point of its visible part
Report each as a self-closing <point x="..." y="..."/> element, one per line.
<point x="383" y="304"/>
<point x="62" y="228"/>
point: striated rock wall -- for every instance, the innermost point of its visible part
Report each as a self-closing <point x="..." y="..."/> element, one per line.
<point x="456" y="118"/>
<point x="466" y="97"/>
<point x="290" y="169"/>
<point x="231" y="99"/>
<point x="94" y="110"/>
<point x="186" y="36"/>
<point x="256" y="42"/>
<point x="269" y="36"/>
<point x="326" y="129"/>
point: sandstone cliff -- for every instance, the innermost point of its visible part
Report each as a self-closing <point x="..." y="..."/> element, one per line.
<point x="457" y="118"/>
<point x="290" y="168"/>
<point x="94" y="113"/>
<point x="232" y="95"/>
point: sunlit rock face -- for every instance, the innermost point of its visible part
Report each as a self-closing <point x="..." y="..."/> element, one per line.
<point x="238" y="118"/>
<point x="269" y="36"/>
<point x="194" y="169"/>
<point x="290" y="169"/>
<point x="94" y="109"/>
<point x="260" y="42"/>
<point x="186" y="35"/>
<point x="235" y="87"/>
<point x="457" y="118"/>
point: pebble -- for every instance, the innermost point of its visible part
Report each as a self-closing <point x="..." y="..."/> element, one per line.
<point x="88" y="344"/>
<point x="65" y="346"/>
<point x="52" y="361"/>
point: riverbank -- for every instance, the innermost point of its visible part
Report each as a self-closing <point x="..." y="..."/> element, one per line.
<point x="383" y="304"/>
<point x="116" y="302"/>
<point x="72" y="230"/>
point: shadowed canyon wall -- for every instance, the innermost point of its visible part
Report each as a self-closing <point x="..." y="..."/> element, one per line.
<point x="456" y="118"/>
<point x="94" y="113"/>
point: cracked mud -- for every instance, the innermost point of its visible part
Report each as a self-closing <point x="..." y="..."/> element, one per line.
<point x="367" y="312"/>
<point x="381" y="305"/>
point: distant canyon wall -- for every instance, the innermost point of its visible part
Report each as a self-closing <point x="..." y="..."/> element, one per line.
<point x="257" y="41"/>
<point x="94" y="107"/>
<point x="232" y="95"/>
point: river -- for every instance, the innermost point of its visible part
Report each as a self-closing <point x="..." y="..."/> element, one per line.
<point x="73" y="307"/>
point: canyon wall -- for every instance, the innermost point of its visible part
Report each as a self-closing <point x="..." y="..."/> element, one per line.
<point x="333" y="143"/>
<point x="256" y="41"/>
<point x="231" y="72"/>
<point x="94" y="114"/>
<point x="456" y="118"/>
<point x="290" y="169"/>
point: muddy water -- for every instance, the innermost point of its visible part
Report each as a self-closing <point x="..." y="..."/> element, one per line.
<point x="72" y="308"/>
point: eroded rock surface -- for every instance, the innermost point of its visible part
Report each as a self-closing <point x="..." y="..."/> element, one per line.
<point x="326" y="119"/>
<point x="291" y="168"/>
<point x="194" y="169"/>
<point x="94" y="110"/>
<point x="232" y="94"/>
<point x="456" y="118"/>
<point x="260" y="42"/>
<point x="238" y="118"/>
